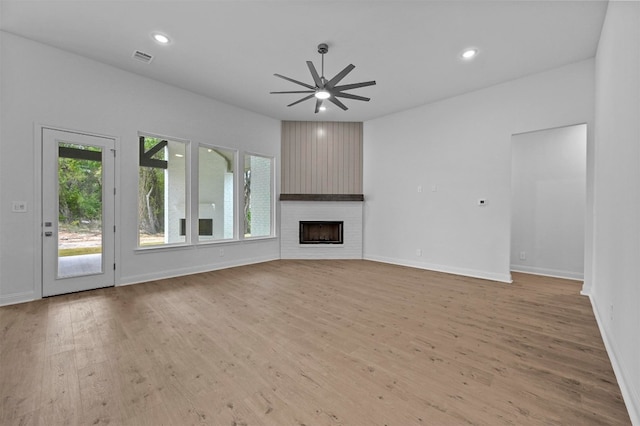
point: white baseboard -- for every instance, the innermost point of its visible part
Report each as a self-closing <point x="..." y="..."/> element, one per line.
<point x="554" y="273"/>
<point x="137" y="279"/>
<point x="492" y="276"/>
<point x="630" y="395"/>
<point x="13" y="299"/>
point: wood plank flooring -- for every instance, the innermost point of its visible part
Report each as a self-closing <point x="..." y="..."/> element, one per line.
<point x="310" y="343"/>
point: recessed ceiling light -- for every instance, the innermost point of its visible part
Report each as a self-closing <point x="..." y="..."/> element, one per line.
<point x="161" y="38"/>
<point x="469" y="53"/>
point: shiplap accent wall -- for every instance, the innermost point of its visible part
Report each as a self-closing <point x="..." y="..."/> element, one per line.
<point x="320" y="157"/>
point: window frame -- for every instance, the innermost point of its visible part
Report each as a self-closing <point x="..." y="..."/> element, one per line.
<point x="272" y="204"/>
<point x="187" y="194"/>
<point x="196" y="194"/>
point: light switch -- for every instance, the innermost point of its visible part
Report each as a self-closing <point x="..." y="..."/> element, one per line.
<point x="19" y="206"/>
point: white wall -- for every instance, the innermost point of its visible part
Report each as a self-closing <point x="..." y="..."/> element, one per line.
<point x="548" y="195"/>
<point x="461" y="148"/>
<point x="44" y="85"/>
<point x="615" y="291"/>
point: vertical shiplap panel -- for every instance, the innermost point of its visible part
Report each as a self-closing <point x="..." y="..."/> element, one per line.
<point x="321" y="157"/>
<point x="315" y="187"/>
<point x="330" y="150"/>
<point x="333" y="181"/>
<point x="348" y="161"/>
<point x="301" y="132"/>
<point x="339" y="152"/>
<point x="284" y="156"/>
<point x="310" y="158"/>
<point x="342" y="165"/>
<point x="287" y="161"/>
<point x="359" y="155"/>
<point x="288" y="135"/>
<point x="295" y="155"/>
<point x="306" y="163"/>
<point x="294" y="179"/>
<point x="357" y="158"/>
<point x="294" y="130"/>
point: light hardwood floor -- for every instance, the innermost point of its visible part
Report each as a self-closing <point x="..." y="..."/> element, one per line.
<point x="310" y="343"/>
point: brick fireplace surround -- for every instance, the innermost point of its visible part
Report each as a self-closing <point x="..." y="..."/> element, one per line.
<point x="347" y="208"/>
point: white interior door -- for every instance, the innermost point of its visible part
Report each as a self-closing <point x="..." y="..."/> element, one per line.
<point x="78" y="218"/>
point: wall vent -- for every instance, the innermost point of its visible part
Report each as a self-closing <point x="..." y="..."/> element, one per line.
<point x="142" y="57"/>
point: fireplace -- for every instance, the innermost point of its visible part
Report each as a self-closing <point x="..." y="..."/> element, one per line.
<point x="321" y="232"/>
<point x="339" y="237"/>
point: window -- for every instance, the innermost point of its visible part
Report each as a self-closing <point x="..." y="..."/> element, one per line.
<point x="162" y="192"/>
<point x="258" y="196"/>
<point x="216" y="188"/>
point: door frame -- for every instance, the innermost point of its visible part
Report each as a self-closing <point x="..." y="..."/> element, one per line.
<point x="38" y="231"/>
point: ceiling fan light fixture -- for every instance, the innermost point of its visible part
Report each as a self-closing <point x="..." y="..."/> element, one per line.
<point x="322" y="94"/>
<point x="322" y="108"/>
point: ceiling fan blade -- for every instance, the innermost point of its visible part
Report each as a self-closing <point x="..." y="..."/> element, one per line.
<point x="301" y="100"/>
<point x="354" y="85"/>
<point x="337" y="102"/>
<point x="350" y="96"/>
<point x="308" y="86"/>
<point x="314" y="74"/>
<point x="318" y="105"/>
<point x="335" y="80"/>
<point x="294" y="91"/>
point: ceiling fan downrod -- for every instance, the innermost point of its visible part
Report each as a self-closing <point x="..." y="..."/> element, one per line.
<point x="322" y="49"/>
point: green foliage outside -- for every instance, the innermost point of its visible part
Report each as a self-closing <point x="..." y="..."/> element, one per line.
<point x="151" y="193"/>
<point x="247" y="202"/>
<point x="79" y="198"/>
<point x="79" y="191"/>
<point x="76" y="251"/>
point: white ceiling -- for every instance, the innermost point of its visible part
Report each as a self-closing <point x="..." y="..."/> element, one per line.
<point x="229" y="50"/>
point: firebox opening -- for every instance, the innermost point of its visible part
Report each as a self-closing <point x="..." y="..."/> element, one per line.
<point x="321" y="232"/>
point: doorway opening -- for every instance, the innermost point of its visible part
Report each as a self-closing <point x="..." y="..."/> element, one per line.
<point x="548" y="201"/>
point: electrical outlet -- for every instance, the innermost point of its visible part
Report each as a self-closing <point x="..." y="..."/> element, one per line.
<point x="434" y="188"/>
<point x="419" y="188"/>
<point x="611" y="311"/>
<point x="523" y="255"/>
<point x="418" y="252"/>
<point x="221" y="252"/>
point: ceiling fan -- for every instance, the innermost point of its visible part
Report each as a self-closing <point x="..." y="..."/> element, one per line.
<point x="326" y="89"/>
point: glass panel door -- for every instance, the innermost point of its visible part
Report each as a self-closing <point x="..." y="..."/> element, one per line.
<point x="77" y="212"/>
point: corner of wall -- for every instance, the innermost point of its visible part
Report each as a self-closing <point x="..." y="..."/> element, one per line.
<point x="629" y="395"/>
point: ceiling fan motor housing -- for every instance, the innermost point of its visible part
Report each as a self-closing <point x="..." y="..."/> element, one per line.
<point x="323" y="48"/>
